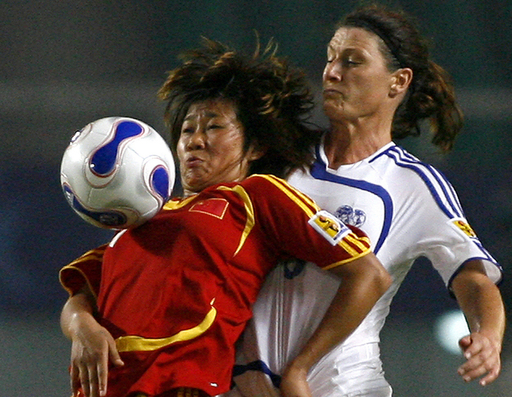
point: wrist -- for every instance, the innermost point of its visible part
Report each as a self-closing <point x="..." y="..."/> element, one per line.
<point x="80" y="321"/>
<point x="299" y="366"/>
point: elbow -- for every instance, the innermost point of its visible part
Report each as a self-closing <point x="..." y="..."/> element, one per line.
<point x="380" y="277"/>
<point x="366" y="272"/>
<point x="385" y="280"/>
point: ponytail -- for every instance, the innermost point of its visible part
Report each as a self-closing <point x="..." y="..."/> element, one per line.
<point x="431" y="97"/>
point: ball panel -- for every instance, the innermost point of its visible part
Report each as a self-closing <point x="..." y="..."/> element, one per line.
<point x="160" y="182"/>
<point x="103" y="161"/>
<point x="104" y="219"/>
<point x="117" y="172"/>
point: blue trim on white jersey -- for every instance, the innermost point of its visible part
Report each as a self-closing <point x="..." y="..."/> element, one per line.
<point x="260" y="366"/>
<point x="318" y="171"/>
<point x="488" y="257"/>
<point x="442" y="191"/>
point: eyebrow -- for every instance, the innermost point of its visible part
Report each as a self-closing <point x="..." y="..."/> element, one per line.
<point x="209" y="114"/>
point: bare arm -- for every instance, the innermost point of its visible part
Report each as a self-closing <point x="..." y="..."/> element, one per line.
<point x="482" y="304"/>
<point x="92" y="345"/>
<point x="364" y="281"/>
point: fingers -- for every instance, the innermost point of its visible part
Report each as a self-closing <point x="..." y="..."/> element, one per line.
<point x="465" y="342"/>
<point x="101" y="376"/>
<point x="92" y="384"/>
<point x="491" y="376"/>
<point x="90" y="367"/>
<point x="75" y="380"/>
<point x="92" y="381"/>
<point x="483" y="359"/>
<point x="479" y="366"/>
<point x="80" y="381"/>
<point x="102" y="368"/>
<point x="114" y="355"/>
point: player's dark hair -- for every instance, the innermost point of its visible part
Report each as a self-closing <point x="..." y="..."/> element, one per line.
<point x="272" y="100"/>
<point x="431" y="94"/>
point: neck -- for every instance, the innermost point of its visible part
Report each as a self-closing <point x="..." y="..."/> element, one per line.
<point x="348" y="144"/>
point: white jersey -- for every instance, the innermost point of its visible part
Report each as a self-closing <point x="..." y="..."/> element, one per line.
<point x="409" y="210"/>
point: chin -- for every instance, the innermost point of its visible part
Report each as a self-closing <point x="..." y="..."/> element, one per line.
<point x="333" y="110"/>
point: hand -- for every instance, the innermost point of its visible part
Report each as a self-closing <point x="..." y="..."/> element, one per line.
<point x="294" y="383"/>
<point x="92" y="347"/>
<point x="483" y="358"/>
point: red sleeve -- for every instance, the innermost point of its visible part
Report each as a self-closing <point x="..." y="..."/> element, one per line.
<point x="300" y="228"/>
<point x="84" y="270"/>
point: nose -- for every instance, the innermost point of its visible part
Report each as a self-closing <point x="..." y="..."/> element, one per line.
<point x="332" y="72"/>
<point x="197" y="139"/>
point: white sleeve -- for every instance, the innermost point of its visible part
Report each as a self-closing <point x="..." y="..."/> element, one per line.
<point x="445" y="236"/>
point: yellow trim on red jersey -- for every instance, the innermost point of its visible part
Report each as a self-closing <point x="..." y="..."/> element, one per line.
<point x="362" y="243"/>
<point x="95" y="254"/>
<point x="249" y="210"/>
<point x="138" y="343"/>
<point x="175" y="204"/>
<point x="303" y="201"/>
<point x="336" y="264"/>
<point x="84" y="276"/>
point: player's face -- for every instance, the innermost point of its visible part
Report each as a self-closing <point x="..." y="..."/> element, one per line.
<point x="210" y="147"/>
<point x="356" y="80"/>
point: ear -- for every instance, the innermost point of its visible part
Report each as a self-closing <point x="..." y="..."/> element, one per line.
<point x="400" y="82"/>
<point x="255" y="152"/>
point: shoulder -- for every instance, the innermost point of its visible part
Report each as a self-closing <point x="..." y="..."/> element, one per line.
<point x="266" y="188"/>
<point x="266" y="181"/>
<point x="408" y="174"/>
<point x="270" y="183"/>
<point x="397" y="159"/>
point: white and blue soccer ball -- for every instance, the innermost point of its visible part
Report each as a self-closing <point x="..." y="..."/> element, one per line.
<point x="117" y="172"/>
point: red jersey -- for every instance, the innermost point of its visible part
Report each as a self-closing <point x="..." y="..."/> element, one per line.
<point x="177" y="291"/>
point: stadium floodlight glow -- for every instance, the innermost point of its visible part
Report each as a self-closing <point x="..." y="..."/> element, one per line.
<point x="449" y="328"/>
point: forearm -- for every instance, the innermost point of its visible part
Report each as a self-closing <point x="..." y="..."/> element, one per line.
<point x="77" y="311"/>
<point x="480" y="300"/>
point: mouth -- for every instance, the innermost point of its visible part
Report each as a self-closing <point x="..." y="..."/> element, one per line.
<point x="193" y="161"/>
<point x="331" y="91"/>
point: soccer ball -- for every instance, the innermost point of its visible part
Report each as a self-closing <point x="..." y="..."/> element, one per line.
<point x="117" y="172"/>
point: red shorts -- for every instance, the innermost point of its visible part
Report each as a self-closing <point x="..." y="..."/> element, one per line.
<point x="180" y="392"/>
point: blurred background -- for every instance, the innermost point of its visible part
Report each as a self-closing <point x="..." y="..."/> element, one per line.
<point x="66" y="63"/>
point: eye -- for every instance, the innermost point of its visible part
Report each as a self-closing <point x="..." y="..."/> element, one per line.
<point x="351" y="62"/>
<point x="215" y="126"/>
<point x="187" y="129"/>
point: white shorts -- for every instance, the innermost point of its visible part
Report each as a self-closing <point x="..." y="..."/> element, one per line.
<point x="358" y="374"/>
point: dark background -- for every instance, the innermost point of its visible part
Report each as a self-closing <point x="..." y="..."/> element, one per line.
<point x="66" y="63"/>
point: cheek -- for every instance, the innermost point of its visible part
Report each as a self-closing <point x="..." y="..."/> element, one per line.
<point x="371" y="89"/>
<point x="380" y="90"/>
<point x="230" y="146"/>
<point x="179" y="151"/>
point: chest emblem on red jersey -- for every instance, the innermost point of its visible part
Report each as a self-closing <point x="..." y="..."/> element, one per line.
<point x="330" y="227"/>
<point x="215" y="207"/>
